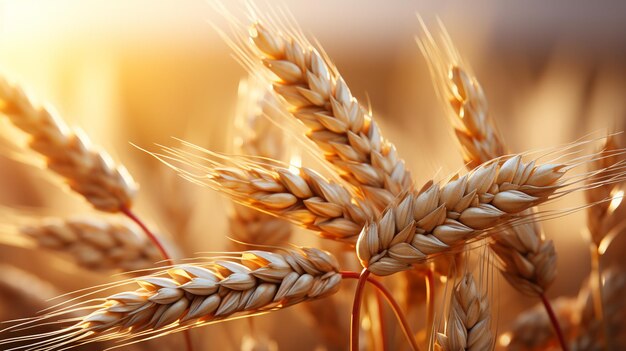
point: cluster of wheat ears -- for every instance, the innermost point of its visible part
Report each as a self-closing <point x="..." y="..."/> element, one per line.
<point x="433" y="244"/>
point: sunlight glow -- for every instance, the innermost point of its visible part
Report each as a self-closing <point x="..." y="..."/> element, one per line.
<point x="295" y="164"/>
<point x="505" y="339"/>
<point x="616" y="199"/>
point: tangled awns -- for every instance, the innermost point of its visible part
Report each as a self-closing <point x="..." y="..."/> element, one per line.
<point x="390" y="262"/>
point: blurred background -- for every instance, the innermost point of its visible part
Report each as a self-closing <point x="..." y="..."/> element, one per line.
<point x="142" y="71"/>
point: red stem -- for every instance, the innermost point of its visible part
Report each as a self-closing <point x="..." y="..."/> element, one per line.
<point x="153" y="238"/>
<point x="555" y="322"/>
<point x="381" y="320"/>
<point x="356" y="310"/>
<point x="404" y="323"/>
<point x="156" y="242"/>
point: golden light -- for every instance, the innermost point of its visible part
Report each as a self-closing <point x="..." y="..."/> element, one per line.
<point x="295" y="163"/>
<point x="505" y="339"/>
<point x="617" y="196"/>
<point x="366" y="323"/>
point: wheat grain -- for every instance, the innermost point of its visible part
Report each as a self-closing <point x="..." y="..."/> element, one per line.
<point x="188" y="296"/>
<point x="528" y="260"/>
<point x="95" y="244"/>
<point x="315" y="93"/>
<point x="86" y="170"/>
<point x="469" y="321"/>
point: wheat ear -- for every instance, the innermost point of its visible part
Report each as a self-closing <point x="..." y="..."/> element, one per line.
<point x="256" y="136"/>
<point x="299" y="195"/>
<point x="314" y="92"/>
<point x="528" y="260"/>
<point x="88" y="171"/>
<point x="188" y="296"/>
<point x="441" y="217"/>
<point x="469" y="321"/>
<point x="94" y="243"/>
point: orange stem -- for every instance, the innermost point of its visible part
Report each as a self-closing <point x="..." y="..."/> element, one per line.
<point x="430" y="301"/>
<point x="153" y="238"/>
<point x="404" y="323"/>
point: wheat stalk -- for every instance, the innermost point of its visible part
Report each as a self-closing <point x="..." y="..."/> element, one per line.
<point x="95" y="244"/>
<point x="314" y="92"/>
<point x="528" y="260"/>
<point x="469" y="321"/>
<point x="86" y="170"/>
<point x="187" y="296"/>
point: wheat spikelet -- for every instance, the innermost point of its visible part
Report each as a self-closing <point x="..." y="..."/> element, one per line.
<point x="315" y="93"/>
<point x="468" y="325"/>
<point x="258" y="137"/>
<point x="94" y="243"/>
<point x="528" y="260"/>
<point x="605" y="219"/>
<point x="86" y="170"/>
<point x="187" y="296"/>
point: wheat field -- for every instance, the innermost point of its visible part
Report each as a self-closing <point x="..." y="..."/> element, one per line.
<point x="297" y="176"/>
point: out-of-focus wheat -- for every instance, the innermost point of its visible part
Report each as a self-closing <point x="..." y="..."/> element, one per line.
<point x="88" y="171"/>
<point x="590" y="333"/>
<point x="607" y="219"/>
<point x="532" y="330"/>
<point x="95" y="244"/>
